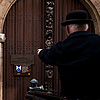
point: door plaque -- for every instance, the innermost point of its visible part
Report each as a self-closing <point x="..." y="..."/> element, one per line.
<point x="22" y="64"/>
<point x="22" y="59"/>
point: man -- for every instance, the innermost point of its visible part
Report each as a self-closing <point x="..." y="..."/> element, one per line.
<point x="77" y="58"/>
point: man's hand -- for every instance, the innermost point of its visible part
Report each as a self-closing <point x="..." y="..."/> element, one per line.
<point x="38" y="51"/>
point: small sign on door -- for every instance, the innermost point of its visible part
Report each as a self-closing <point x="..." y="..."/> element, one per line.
<point x="22" y="70"/>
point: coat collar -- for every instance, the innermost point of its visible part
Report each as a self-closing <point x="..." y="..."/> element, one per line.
<point x="79" y="33"/>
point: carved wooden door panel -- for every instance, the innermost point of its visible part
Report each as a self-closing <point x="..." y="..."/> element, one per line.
<point x="23" y="27"/>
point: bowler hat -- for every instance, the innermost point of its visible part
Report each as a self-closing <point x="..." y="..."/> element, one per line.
<point x="76" y="17"/>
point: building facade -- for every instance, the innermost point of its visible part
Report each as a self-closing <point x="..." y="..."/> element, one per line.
<point x="26" y="25"/>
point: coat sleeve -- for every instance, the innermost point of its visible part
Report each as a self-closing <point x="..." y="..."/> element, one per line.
<point x="53" y="55"/>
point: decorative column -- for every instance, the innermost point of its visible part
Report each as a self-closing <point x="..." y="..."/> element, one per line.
<point x="49" y="27"/>
<point x="2" y="39"/>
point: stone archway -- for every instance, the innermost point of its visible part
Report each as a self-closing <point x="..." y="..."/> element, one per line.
<point x="93" y="6"/>
<point x="5" y="6"/>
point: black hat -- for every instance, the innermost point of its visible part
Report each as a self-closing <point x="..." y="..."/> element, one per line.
<point x="76" y="17"/>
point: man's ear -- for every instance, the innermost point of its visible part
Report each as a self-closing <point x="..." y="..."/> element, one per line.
<point x="67" y="31"/>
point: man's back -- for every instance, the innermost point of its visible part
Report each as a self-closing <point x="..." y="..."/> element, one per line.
<point x="80" y="69"/>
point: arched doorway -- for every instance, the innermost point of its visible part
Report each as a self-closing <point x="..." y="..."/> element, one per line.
<point x="24" y="29"/>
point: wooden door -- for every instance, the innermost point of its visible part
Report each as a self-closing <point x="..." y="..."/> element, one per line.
<point x="24" y="35"/>
<point x="25" y="29"/>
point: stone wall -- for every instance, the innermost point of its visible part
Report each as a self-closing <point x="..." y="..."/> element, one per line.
<point x="5" y="5"/>
<point x="94" y="10"/>
<point x="93" y="6"/>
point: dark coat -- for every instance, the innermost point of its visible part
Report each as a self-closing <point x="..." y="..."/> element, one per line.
<point x="78" y="61"/>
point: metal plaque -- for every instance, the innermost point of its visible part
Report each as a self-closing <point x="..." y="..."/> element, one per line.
<point x="22" y="59"/>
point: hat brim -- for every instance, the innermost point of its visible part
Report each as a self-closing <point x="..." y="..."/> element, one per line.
<point x="80" y="21"/>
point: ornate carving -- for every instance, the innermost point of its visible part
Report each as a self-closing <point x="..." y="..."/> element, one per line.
<point x="49" y="42"/>
<point x="49" y="71"/>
